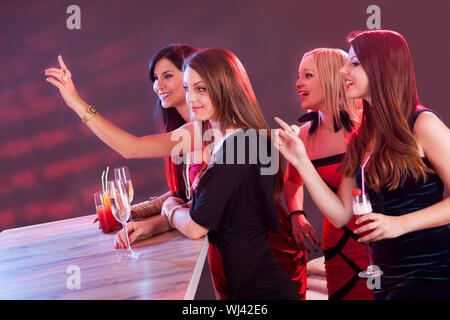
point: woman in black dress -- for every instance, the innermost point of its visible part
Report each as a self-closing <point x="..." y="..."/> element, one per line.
<point x="234" y="193"/>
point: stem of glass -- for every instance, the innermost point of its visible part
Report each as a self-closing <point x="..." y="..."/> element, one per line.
<point x="369" y="258"/>
<point x="128" y="240"/>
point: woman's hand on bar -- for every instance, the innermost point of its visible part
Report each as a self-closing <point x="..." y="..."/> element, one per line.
<point x="98" y="224"/>
<point x="138" y="230"/>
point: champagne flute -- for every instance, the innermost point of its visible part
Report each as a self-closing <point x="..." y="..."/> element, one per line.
<point x="122" y="173"/>
<point x="361" y="206"/>
<point x="121" y="210"/>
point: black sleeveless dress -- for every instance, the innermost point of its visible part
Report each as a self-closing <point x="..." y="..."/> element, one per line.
<point x="416" y="264"/>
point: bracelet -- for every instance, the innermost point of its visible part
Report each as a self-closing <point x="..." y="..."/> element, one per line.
<point x="296" y="212"/>
<point x="144" y="210"/>
<point x="147" y="208"/>
<point x="172" y="211"/>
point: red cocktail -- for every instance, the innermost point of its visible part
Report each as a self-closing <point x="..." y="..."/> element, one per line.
<point x="107" y="221"/>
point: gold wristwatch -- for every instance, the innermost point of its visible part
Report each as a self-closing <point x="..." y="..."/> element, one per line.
<point x="90" y="113"/>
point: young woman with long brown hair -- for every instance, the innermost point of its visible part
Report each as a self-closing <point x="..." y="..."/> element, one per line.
<point x="330" y="120"/>
<point x="234" y="203"/>
<point x="409" y="148"/>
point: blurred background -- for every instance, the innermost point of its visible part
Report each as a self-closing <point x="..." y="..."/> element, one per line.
<point x="51" y="163"/>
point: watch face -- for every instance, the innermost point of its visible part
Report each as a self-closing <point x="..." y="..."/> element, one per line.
<point x="93" y="110"/>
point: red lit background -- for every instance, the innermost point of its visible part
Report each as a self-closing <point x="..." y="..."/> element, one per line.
<point x="51" y="163"/>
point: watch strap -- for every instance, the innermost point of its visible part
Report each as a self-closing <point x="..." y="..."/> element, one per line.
<point x="90" y="113"/>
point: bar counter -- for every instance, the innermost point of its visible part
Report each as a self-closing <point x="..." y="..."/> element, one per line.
<point x="72" y="260"/>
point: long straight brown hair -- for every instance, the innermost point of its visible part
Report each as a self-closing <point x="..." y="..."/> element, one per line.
<point x="232" y="95"/>
<point x="385" y="133"/>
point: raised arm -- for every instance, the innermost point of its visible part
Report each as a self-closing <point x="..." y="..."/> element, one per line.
<point x="337" y="208"/>
<point x="128" y="145"/>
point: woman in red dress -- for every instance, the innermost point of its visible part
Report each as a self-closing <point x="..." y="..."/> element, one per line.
<point x="331" y="119"/>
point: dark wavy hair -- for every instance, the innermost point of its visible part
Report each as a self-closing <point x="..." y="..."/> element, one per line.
<point x="169" y="117"/>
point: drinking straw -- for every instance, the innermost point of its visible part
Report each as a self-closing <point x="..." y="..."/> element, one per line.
<point x="362" y="173"/>
<point x="103" y="183"/>
<point x="106" y="176"/>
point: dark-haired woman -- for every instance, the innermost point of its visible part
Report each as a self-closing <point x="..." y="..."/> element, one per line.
<point x="166" y="75"/>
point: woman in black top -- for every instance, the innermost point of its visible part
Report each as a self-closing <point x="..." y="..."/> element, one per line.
<point x="234" y="193"/>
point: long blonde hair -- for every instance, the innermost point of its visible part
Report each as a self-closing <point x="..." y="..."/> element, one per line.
<point x="328" y="62"/>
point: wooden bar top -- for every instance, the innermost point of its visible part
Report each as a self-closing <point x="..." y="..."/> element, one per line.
<point x="51" y="260"/>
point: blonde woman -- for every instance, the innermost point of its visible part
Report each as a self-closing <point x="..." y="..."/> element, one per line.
<point x="331" y="119"/>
